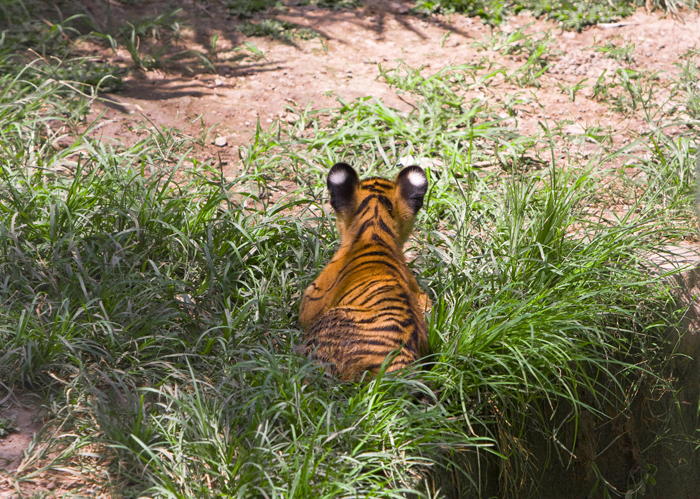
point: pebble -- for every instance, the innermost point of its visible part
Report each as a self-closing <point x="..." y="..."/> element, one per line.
<point x="220" y="141"/>
<point x="247" y="123"/>
<point x="51" y="485"/>
<point x="218" y="82"/>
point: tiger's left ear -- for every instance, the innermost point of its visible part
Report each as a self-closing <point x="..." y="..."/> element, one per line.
<point x="413" y="184"/>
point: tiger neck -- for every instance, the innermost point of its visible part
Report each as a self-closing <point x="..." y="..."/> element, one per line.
<point x="376" y="231"/>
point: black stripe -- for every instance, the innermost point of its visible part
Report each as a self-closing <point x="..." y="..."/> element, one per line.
<point x="386" y="316"/>
<point x="385" y="300"/>
<point x="373" y="253"/>
<point x="386" y="228"/>
<point x="382" y="262"/>
<point x="386" y="202"/>
<point x="388" y="328"/>
<point x="363" y="227"/>
<point x="378" y="239"/>
<point x="379" y="197"/>
<point x="363" y="205"/>
<point x="361" y="284"/>
<point x="380" y="290"/>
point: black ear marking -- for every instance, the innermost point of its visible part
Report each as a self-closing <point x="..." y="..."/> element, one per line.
<point x="342" y="183"/>
<point x="413" y="184"/>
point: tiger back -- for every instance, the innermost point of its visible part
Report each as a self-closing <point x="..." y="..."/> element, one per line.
<point x="365" y="305"/>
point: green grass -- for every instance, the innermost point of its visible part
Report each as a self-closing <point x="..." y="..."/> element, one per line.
<point x="569" y="14"/>
<point x="277" y="29"/>
<point x="153" y="302"/>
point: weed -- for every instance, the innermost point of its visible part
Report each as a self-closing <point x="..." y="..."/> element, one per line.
<point x="538" y="56"/>
<point x="578" y="15"/>
<point x="246" y="8"/>
<point x="687" y="85"/>
<point x="277" y="29"/>
<point x="509" y="43"/>
<point x="571" y="90"/>
<point x="7" y="426"/>
<point x="571" y="15"/>
<point x="623" y="53"/>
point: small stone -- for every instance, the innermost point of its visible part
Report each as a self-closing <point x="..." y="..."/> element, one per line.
<point x="574" y="129"/>
<point x="401" y="8"/>
<point x="291" y="118"/>
<point x="220" y="141"/>
<point x="218" y="82"/>
<point x="247" y="123"/>
<point x="51" y="485"/>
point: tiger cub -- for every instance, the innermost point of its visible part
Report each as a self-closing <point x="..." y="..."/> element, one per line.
<point x="366" y="305"/>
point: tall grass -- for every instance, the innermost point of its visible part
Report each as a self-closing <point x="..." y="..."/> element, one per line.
<point x="154" y="302"/>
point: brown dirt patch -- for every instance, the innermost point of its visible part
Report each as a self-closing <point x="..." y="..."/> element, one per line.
<point x="344" y="63"/>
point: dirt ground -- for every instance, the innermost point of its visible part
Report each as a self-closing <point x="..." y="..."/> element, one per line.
<point x="343" y="62"/>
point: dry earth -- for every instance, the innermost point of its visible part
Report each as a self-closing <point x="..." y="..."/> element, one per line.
<point x="343" y="63"/>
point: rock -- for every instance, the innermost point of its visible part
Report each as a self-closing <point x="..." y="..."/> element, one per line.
<point x="574" y="129"/>
<point x="292" y="118"/>
<point x="218" y="82"/>
<point x="51" y="485"/>
<point x="220" y="141"/>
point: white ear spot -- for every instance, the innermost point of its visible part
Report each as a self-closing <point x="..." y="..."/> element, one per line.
<point x="337" y="177"/>
<point x="416" y="179"/>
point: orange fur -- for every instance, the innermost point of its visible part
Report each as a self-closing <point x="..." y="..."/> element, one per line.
<point x="366" y="305"/>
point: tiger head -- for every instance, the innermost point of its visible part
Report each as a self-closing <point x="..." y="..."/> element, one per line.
<point x="389" y="207"/>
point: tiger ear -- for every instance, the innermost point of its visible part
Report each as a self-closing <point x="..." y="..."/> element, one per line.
<point x="342" y="184"/>
<point x="413" y="184"/>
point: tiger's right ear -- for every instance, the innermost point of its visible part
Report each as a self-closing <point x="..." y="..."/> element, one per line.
<point x="342" y="184"/>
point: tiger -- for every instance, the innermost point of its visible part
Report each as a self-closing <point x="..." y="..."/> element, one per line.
<point x="365" y="307"/>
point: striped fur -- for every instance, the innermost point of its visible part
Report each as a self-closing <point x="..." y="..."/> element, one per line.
<point x="366" y="305"/>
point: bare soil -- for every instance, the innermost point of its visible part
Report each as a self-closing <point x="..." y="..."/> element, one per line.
<point x="27" y="417"/>
<point x="343" y="62"/>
